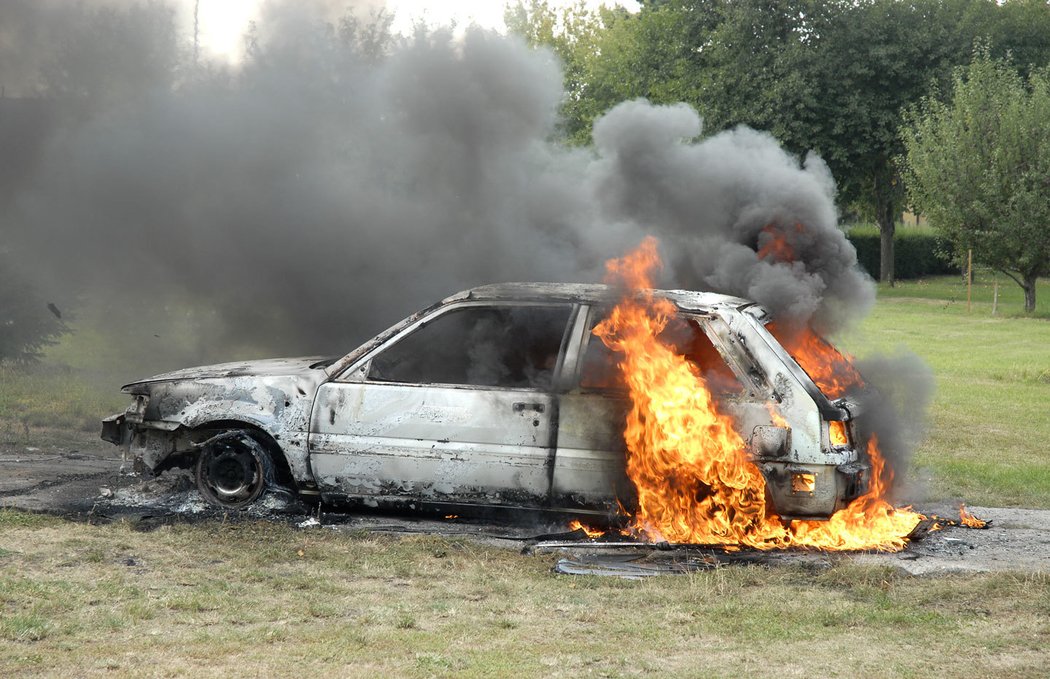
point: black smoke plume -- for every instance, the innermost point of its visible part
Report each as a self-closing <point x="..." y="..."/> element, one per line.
<point x="343" y="176"/>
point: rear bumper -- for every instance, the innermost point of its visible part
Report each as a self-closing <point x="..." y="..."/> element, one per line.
<point x="814" y="492"/>
<point x="115" y="430"/>
<point x="152" y="441"/>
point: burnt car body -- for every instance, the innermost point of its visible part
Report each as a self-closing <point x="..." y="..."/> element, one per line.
<point x="498" y="396"/>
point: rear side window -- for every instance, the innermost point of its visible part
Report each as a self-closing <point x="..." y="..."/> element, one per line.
<point x="500" y="346"/>
<point x="686" y="336"/>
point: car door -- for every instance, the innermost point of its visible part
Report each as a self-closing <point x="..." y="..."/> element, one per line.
<point x="590" y="460"/>
<point x="456" y="409"/>
<point x="590" y="470"/>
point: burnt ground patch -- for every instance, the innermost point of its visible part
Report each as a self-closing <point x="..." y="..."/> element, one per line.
<point x="92" y="484"/>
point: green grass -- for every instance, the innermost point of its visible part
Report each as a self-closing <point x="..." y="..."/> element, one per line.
<point x="254" y="599"/>
<point x="871" y="228"/>
<point x="952" y="291"/>
<point x="51" y="397"/>
<point x="991" y="409"/>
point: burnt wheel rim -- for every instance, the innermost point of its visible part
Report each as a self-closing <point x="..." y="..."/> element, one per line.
<point x="231" y="474"/>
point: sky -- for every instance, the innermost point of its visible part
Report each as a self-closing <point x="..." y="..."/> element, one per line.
<point x="222" y="22"/>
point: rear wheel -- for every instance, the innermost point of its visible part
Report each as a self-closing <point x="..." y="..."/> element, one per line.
<point x="233" y="470"/>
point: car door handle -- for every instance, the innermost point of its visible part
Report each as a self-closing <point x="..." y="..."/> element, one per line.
<point x="521" y="407"/>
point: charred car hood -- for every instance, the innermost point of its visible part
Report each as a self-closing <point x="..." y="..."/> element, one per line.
<point x="271" y="367"/>
<point x="274" y="395"/>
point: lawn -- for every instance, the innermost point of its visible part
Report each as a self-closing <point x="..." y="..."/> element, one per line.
<point x="263" y="599"/>
<point x="991" y="408"/>
<point x="61" y="400"/>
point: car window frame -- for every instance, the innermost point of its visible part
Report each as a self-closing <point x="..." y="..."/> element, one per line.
<point x="592" y="313"/>
<point x="357" y="372"/>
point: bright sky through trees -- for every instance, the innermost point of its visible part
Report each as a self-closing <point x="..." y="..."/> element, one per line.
<point x="223" y="22"/>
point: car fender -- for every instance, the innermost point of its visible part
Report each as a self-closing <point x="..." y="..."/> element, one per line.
<point x="279" y="406"/>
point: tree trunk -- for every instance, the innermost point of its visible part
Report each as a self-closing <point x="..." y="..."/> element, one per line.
<point x="887" y="222"/>
<point x="886" y="271"/>
<point x="1029" y="292"/>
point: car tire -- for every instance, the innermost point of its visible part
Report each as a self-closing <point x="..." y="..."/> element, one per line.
<point x="233" y="470"/>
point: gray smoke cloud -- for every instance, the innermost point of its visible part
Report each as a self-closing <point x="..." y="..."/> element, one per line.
<point x="718" y="202"/>
<point x="896" y="411"/>
<point x="341" y="178"/>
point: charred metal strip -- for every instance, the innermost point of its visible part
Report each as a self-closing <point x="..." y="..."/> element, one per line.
<point x="222" y="436"/>
<point x="565" y="347"/>
<point x="552" y="446"/>
<point x="632" y="566"/>
<point x="113" y="429"/>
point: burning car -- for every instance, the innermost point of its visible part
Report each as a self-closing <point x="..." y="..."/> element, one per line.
<point x="500" y="396"/>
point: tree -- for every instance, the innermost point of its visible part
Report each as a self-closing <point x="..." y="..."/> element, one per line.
<point x="110" y="55"/>
<point x="27" y="322"/>
<point x="571" y="32"/>
<point x="610" y="55"/>
<point x="833" y="77"/>
<point x="978" y="166"/>
<point x="827" y="76"/>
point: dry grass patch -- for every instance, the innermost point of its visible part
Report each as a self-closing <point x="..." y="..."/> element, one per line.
<point x="265" y="599"/>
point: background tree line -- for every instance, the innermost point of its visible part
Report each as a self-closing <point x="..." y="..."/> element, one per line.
<point x="835" y="77"/>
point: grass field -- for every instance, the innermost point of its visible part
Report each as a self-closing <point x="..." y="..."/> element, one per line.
<point x="262" y="599"/>
<point x="991" y="408"/>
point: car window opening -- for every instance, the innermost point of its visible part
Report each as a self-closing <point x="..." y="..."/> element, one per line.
<point x="510" y="346"/>
<point x="685" y="336"/>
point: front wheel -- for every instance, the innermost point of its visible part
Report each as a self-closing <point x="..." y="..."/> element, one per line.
<point x="233" y="470"/>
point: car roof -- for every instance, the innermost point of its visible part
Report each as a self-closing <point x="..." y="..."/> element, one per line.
<point x="685" y="300"/>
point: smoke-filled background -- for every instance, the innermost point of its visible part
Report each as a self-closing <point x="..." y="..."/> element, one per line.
<point x="341" y="176"/>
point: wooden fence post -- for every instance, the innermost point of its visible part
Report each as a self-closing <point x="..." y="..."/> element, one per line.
<point x="969" y="278"/>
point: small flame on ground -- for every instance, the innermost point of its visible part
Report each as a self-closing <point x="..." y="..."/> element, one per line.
<point x="694" y="479"/>
<point x="592" y="533"/>
<point x="969" y="520"/>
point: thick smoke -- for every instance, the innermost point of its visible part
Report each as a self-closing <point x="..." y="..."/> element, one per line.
<point x="343" y="177"/>
<point x="718" y="202"/>
<point x="896" y="411"/>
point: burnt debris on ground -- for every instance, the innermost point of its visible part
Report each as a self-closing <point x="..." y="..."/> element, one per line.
<point x="88" y="486"/>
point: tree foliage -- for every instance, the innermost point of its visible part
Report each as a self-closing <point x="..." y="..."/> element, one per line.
<point x="572" y="33"/>
<point x="92" y="47"/>
<point x="27" y="322"/>
<point x="831" y="76"/>
<point x="978" y="165"/>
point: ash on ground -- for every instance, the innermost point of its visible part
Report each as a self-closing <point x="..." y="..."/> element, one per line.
<point x="92" y="485"/>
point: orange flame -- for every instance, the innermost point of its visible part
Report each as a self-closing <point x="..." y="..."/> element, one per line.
<point x="776" y="418"/>
<point x="969" y="520"/>
<point x="773" y="245"/>
<point x="837" y="431"/>
<point x="829" y="368"/>
<point x="592" y="533"/>
<point x="694" y="478"/>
